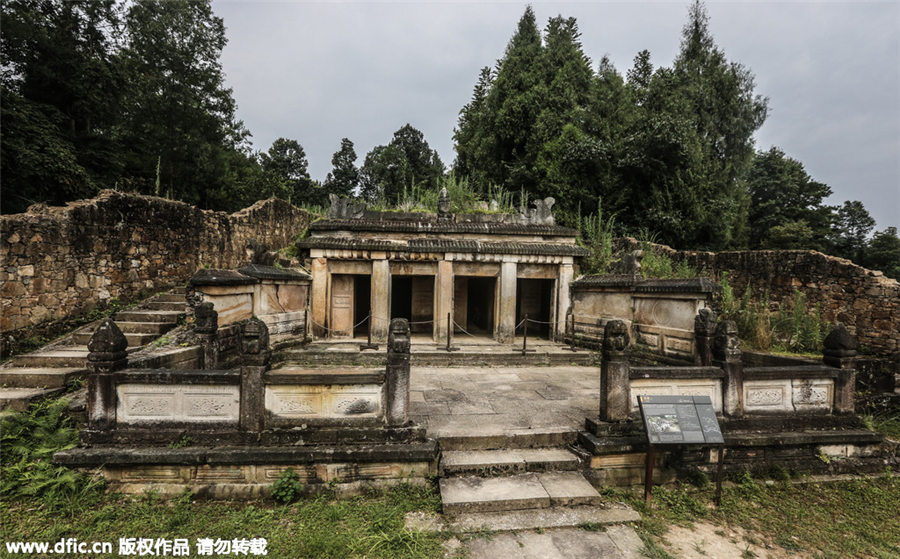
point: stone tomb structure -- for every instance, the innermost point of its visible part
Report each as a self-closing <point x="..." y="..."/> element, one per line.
<point x="486" y="271"/>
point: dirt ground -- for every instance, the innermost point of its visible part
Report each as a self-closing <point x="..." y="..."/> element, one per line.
<point x="710" y="541"/>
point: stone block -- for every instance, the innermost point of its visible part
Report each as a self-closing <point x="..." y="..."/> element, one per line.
<point x="677" y="387"/>
<point x="156" y="403"/>
<point x="761" y="396"/>
<point x="323" y="401"/>
<point x="812" y="394"/>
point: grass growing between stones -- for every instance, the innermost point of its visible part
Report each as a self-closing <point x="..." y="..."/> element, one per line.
<point x="854" y="518"/>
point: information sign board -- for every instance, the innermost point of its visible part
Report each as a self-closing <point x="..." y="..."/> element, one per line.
<point x="680" y="420"/>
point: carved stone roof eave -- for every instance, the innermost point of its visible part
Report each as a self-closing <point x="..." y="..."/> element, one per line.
<point x="443" y="245"/>
<point x="429" y="226"/>
<point x="272" y="273"/>
<point x="692" y="285"/>
<point x="213" y="276"/>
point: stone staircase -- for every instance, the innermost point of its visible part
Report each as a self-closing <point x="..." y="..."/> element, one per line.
<point x="519" y="483"/>
<point x="47" y="371"/>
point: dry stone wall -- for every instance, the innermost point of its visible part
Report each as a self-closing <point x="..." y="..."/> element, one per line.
<point x="63" y="261"/>
<point x="866" y="301"/>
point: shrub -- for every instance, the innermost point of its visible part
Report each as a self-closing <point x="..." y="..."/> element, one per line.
<point x="287" y="488"/>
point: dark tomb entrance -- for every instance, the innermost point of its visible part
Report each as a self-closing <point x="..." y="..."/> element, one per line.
<point x="534" y="297"/>
<point x="473" y="308"/>
<point x="412" y="298"/>
<point x="362" y="305"/>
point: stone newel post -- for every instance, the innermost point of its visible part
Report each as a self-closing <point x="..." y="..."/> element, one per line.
<point x="396" y="382"/>
<point x="840" y="352"/>
<point x="726" y="354"/>
<point x="254" y="363"/>
<point x="704" y="331"/>
<point x="206" y="325"/>
<point x="615" y="386"/>
<point x="107" y="354"/>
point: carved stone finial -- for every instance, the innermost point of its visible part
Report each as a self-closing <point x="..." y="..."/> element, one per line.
<point x="615" y="340"/>
<point x="705" y="323"/>
<point x="840" y="347"/>
<point x="632" y="262"/>
<point x="397" y="377"/>
<point x="206" y="319"/>
<point x="345" y="208"/>
<point x="542" y="213"/>
<point x="726" y="344"/>
<point x="255" y="340"/>
<point x="444" y="204"/>
<point x="107" y="348"/>
<point x="398" y="337"/>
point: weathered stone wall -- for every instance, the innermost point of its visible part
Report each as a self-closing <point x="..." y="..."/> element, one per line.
<point x="62" y="261"/>
<point x="866" y="301"/>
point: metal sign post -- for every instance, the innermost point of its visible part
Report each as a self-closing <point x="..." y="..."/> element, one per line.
<point x="680" y="420"/>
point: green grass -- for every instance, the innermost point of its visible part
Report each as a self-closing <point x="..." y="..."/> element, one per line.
<point x="856" y="518"/>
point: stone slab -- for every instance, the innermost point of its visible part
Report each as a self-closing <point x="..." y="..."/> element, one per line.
<point x="477" y="494"/>
<point x="47" y="377"/>
<point x="148" y="316"/>
<point x="552" y="517"/>
<point x="509" y="460"/>
<point x="17" y="399"/>
<point x="153" y="403"/>
<point x="566" y="543"/>
<point x="569" y="488"/>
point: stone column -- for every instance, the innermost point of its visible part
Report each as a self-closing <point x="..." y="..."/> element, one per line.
<point x="254" y="363"/>
<point x="615" y="386"/>
<point x="564" y="298"/>
<point x="506" y="318"/>
<point x="704" y="331"/>
<point x="840" y="352"/>
<point x="396" y="379"/>
<point x="206" y="326"/>
<point x="726" y="354"/>
<point x="319" y="272"/>
<point x="443" y="295"/>
<point x="381" y="289"/>
<point x="107" y="354"/>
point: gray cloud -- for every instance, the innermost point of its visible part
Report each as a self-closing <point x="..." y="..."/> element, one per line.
<point x="317" y="72"/>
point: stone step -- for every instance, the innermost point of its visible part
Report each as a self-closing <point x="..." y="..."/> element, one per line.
<point x="18" y="399"/>
<point x="67" y="356"/>
<point x="528" y="519"/>
<point x="524" y="491"/>
<point x="170" y="298"/>
<point x="540" y="437"/>
<point x="180" y="290"/>
<point x="157" y="328"/>
<point x="46" y="377"/>
<point x="157" y="305"/>
<point x="507" y="461"/>
<point x="134" y="339"/>
<point x="148" y="316"/>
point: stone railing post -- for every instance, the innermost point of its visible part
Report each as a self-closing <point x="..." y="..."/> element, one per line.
<point x="107" y="354"/>
<point x="704" y="332"/>
<point x="726" y="354"/>
<point x="615" y="386"/>
<point x="206" y="326"/>
<point x="840" y="352"/>
<point x="255" y="356"/>
<point x="396" y="381"/>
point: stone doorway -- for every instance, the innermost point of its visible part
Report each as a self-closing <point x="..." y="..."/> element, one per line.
<point x="412" y="298"/>
<point x="350" y="304"/>
<point x="473" y="305"/>
<point x="535" y="298"/>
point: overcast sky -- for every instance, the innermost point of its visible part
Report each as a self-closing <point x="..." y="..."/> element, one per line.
<point x="317" y="72"/>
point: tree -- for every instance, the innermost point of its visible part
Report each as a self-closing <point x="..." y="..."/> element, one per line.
<point x="344" y="176"/>
<point x="179" y="116"/>
<point x="883" y="253"/>
<point x="407" y="162"/>
<point x="782" y="193"/>
<point x="285" y="163"/>
<point x="851" y="227"/>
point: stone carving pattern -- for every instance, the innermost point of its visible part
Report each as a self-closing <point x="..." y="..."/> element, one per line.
<point x="156" y="406"/>
<point x="765" y="397"/>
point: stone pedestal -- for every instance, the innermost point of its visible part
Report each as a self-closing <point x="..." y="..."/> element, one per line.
<point x="255" y="356"/>
<point x="206" y="325"/>
<point x="396" y="382"/>
<point x="840" y="352"/>
<point x="704" y="332"/>
<point x="615" y="386"/>
<point x="107" y="354"/>
<point x="726" y="354"/>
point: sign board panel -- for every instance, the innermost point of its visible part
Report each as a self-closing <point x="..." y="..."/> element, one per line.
<point x="680" y="420"/>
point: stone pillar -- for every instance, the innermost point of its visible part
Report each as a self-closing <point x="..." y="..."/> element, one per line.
<point x="726" y="354"/>
<point x="319" y="272"/>
<point x="380" y="297"/>
<point x="396" y="380"/>
<point x="443" y="296"/>
<point x="840" y="352"/>
<point x="506" y="317"/>
<point x="615" y="386"/>
<point x="254" y="363"/>
<point x="564" y="298"/>
<point x="704" y="331"/>
<point x="107" y="354"/>
<point x="206" y="326"/>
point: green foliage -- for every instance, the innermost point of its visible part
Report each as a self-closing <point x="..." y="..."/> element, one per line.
<point x="657" y="264"/>
<point x="344" y="176"/>
<point x="29" y="439"/>
<point x="883" y="253"/>
<point x="407" y="163"/>
<point x="287" y="488"/>
<point x="596" y="233"/>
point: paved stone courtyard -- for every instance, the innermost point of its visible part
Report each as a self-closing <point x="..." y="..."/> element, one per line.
<point x="486" y="401"/>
